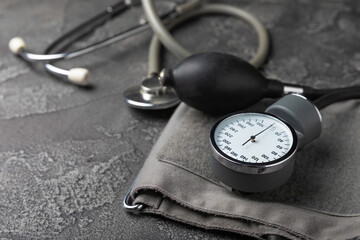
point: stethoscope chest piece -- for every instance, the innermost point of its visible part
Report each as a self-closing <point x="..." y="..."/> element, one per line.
<point x="151" y="95"/>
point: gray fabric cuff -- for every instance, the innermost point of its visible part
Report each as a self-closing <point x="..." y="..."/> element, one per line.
<point x="176" y="182"/>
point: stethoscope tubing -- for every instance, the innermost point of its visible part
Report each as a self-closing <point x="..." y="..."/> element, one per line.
<point x="161" y="31"/>
<point x="263" y="38"/>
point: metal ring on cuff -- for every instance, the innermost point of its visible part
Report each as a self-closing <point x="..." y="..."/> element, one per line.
<point x="128" y="206"/>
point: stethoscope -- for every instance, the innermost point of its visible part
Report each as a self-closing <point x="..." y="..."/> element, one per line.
<point x="239" y="86"/>
<point x="150" y="94"/>
<point x="213" y="83"/>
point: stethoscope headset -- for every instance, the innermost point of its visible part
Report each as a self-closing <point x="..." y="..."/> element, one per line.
<point x="210" y="82"/>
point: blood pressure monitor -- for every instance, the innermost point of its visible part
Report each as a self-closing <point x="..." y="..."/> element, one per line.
<point x="254" y="138"/>
<point x="255" y="152"/>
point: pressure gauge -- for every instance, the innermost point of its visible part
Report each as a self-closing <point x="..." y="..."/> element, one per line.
<point x="254" y="152"/>
<point x="254" y="138"/>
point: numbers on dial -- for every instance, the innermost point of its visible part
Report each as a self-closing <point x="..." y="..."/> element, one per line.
<point x="253" y="137"/>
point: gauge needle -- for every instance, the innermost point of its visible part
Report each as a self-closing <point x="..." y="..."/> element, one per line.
<point x="252" y="138"/>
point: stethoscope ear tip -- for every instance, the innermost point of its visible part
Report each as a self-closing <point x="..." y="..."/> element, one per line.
<point x="79" y="76"/>
<point x="16" y="44"/>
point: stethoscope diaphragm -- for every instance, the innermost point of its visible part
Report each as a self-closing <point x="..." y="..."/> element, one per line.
<point x="151" y="95"/>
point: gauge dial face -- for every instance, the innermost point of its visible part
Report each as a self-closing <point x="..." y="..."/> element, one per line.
<point x="254" y="138"/>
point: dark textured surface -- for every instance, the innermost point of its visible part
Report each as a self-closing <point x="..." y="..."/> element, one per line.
<point x="68" y="155"/>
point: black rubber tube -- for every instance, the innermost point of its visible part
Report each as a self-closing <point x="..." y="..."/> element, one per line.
<point x="313" y="93"/>
<point x="337" y="96"/>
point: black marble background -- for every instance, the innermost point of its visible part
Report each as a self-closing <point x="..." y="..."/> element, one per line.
<point x="68" y="155"/>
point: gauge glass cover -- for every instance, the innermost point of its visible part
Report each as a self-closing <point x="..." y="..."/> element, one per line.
<point x="253" y="138"/>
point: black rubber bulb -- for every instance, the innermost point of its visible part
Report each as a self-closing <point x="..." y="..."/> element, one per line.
<point x="219" y="83"/>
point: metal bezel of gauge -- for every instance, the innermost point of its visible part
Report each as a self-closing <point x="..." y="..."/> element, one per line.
<point x="252" y="177"/>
